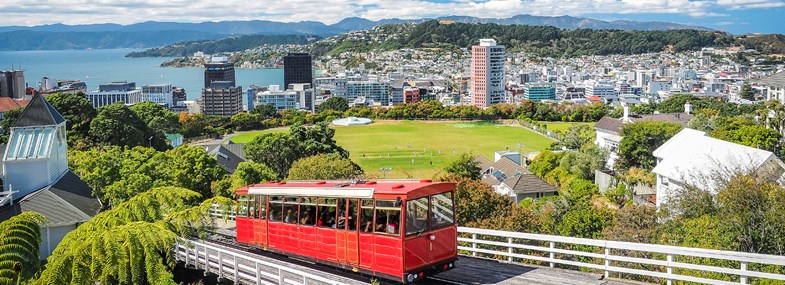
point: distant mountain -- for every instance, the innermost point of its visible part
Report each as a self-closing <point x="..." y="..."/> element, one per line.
<point x="154" y="34"/>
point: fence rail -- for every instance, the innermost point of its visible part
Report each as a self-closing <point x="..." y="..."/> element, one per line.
<point x="241" y="268"/>
<point x="661" y="262"/>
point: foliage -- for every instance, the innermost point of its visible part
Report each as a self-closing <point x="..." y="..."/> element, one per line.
<point x="744" y="130"/>
<point x="545" y="162"/>
<point x="336" y="103"/>
<point x="9" y="119"/>
<point x="280" y="150"/>
<point x="675" y="104"/>
<point x="635" y="175"/>
<point x="159" y="119"/>
<point x="325" y="166"/>
<point x="465" y="166"/>
<point x="265" y="111"/>
<point x="746" y="92"/>
<point x="585" y="221"/>
<point x="77" y="111"/>
<point x="585" y="162"/>
<point x="247" y="173"/>
<point x="230" y="44"/>
<point x="117" y="125"/>
<point x="20" y="237"/>
<point x="575" y="137"/>
<point x="246" y="121"/>
<point x="640" y="139"/>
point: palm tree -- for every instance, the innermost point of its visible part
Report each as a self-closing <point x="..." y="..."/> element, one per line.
<point x="20" y="237"/>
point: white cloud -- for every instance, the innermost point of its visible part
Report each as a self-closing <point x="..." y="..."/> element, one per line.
<point x="35" y="12"/>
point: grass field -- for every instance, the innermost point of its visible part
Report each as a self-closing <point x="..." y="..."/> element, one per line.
<point x="430" y="145"/>
<point x="561" y="127"/>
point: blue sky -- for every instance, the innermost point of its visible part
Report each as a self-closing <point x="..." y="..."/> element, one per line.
<point x="735" y="16"/>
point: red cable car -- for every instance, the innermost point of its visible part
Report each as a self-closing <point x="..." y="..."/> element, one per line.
<point x="398" y="230"/>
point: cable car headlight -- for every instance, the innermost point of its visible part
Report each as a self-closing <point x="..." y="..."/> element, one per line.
<point x="410" y="278"/>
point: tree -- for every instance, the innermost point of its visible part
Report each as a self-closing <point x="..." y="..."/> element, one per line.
<point x="157" y="117"/>
<point x="465" y="166"/>
<point x="545" y="162"/>
<point x="585" y="162"/>
<point x="246" y="121"/>
<point x="336" y="103"/>
<point x="640" y="139"/>
<point x="577" y="136"/>
<point x="325" y="166"/>
<point x="280" y="150"/>
<point x="190" y="167"/>
<point x="20" y="237"/>
<point x="77" y="111"/>
<point x="746" y="92"/>
<point x="266" y="111"/>
<point x="117" y="125"/>
<point x="247" y="172"/>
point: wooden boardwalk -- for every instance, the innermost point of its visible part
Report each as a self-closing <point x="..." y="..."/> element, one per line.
<point x="469" y="270"/>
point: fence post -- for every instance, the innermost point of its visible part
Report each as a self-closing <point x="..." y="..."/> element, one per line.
<point x="280" y="276"/>
<point x="258" y="274"/>
<point x="607" y="262"/>
<point x="236" y="275"/>
<point x="474" y="245"/>
<point x="187" y="254"/>
<point x="509" y="249"/>
<point x="670" y="269"/>
<point x="206" y="260"/>
<point x="220" y="265"/>
<point x="744" y="268"/>
<point x="551" y="254"/>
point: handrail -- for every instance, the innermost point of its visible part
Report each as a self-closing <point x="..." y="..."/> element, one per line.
<point x="241" y="268"/>
<point x="610" y="256"/>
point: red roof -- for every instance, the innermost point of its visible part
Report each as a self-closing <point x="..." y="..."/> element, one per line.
<point x="410" y="188"/>
<point x="8" y="104"/>
<point x="594" y="99"/>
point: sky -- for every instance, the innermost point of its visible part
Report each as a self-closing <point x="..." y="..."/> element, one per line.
<point x="735" y="16"/>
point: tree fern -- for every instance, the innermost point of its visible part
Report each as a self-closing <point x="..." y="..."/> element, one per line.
<point x="20" y="238"/>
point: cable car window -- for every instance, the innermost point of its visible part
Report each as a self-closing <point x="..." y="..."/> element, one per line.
<point x="308" y="211"/>
<point x="290" y="214"/>
<point x="326" y="212"/>
<point x="242" y="206"/>
<point x="366" y="217"/>
<point x="441" y="210"/>
<point x="388" y="218"/>
<point x="353" y="204"/>
<point x="261" y="201"/>
<point x="276" y="208"/>
<point x="341" y="219"/>
<point x="416" y="216"/>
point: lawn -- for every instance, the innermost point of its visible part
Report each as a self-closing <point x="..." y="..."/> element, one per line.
<point x="419" y="149"/>
<point x="561" y="127"/>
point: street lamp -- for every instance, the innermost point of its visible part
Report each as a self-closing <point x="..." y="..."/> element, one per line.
<point x="384" y="171"/>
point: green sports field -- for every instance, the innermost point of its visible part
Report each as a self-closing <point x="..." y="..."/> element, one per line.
<point x="430" y="145"/>
<point x="561" y="127"/>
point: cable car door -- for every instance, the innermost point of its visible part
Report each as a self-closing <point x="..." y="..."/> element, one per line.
<point x="347" y="237"/>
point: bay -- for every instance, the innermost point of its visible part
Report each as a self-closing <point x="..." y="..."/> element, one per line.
<point x="99" y="66"/>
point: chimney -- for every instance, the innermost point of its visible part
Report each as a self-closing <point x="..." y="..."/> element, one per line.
<point x="688" y="107"/>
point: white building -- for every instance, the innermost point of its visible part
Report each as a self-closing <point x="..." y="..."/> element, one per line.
<point x="691" y="158"/>
<point x="160" y="94"/>
<point x="118" y="91"/>
<point x="285" y="99"/>
<point x="775" y="85"/>
<point x="602" y="89"/>
<point x="659" y="85"/>
<point x="487" y="73"/>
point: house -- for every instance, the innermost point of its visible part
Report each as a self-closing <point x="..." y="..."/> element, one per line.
<point x="228" y="155"/>
<point x="174" y="140"/>
<point x="776" y="86"/>
<point x="608" y="129"/>
<point x="691" y="158"/>
<point x="36" y="175"/>
<point x="509" y="178"/>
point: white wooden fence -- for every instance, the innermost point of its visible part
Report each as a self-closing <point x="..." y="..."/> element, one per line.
<point x="616" y="257"/>
<point x="669" y="263"/>
<point x="242" y="268"/>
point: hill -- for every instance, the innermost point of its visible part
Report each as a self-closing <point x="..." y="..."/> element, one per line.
<point x="230" y="44"/>
<point x="39" y="40"/>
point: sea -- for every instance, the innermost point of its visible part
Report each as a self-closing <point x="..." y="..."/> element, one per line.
<point x="99" y="66"/>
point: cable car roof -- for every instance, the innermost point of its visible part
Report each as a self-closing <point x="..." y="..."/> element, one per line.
<point x="346" y="189"/>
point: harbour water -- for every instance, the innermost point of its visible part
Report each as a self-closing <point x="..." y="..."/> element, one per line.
<point x="101" y="66"/>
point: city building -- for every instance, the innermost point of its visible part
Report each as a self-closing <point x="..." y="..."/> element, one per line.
<point x="250" y="93"/>
<point x="305" y="95"/>
<point x="160" y="94"/>
<point x="12" y="84"/>
<point x="221" y="99"/>
<point x="539" y="91"/>
<point x="573" y="93"/>
<point x="116" y="91"/>
<point x="411" y="94"/>
<point x="487" y="73"/>
<point x="300" y="97"/>
<point x="218" y="69"/>
<point x="602" y="89"/>
<point x="178" y="100"/>
<point x="659" y="85"/>
<point x="37" y="178"/>
<point x="373" y="92"/>
<point x="50" y="85"/>
<point x="775" y="85"/>
<point x="297" y="68"/>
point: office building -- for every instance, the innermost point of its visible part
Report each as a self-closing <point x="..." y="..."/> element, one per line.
<point x="297" y="69"/>
<point x="178" y="100"/>
<point x="573" y="93"/>
<point x="221" y="99"/>
<point x="251" y="92"/>
<point x="305" y="95"/>
<point x="539" y="91"/>
<point x="300" y="97"/>
<point x="12" y="84"/>
<point x="218" y="69"/>
<point x="160" y="94"/>
<point x="371" y="92"/>
<point x="411" y="94"/>
<point x="487" y="73"/>
<point x="602" y="89"/>
<point x="116" y="91"/>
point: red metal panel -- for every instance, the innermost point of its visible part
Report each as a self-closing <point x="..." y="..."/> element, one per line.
<point x="352" y="248"/>
<point x="244" y="229"/>
<point x="274" y="238"/>
<point x="366" y="250"/>
<point x="308" y="243"/>
<point x="260" y="232"/>
<point x="444" y="244"/>
<point x="387" y="254"/>
<point x="327" y="244"/>
<point x="340" y="246"/>
<point x="416" y="252"/>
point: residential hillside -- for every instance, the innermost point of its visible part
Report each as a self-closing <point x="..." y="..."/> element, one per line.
<point x="230" y="44"/>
